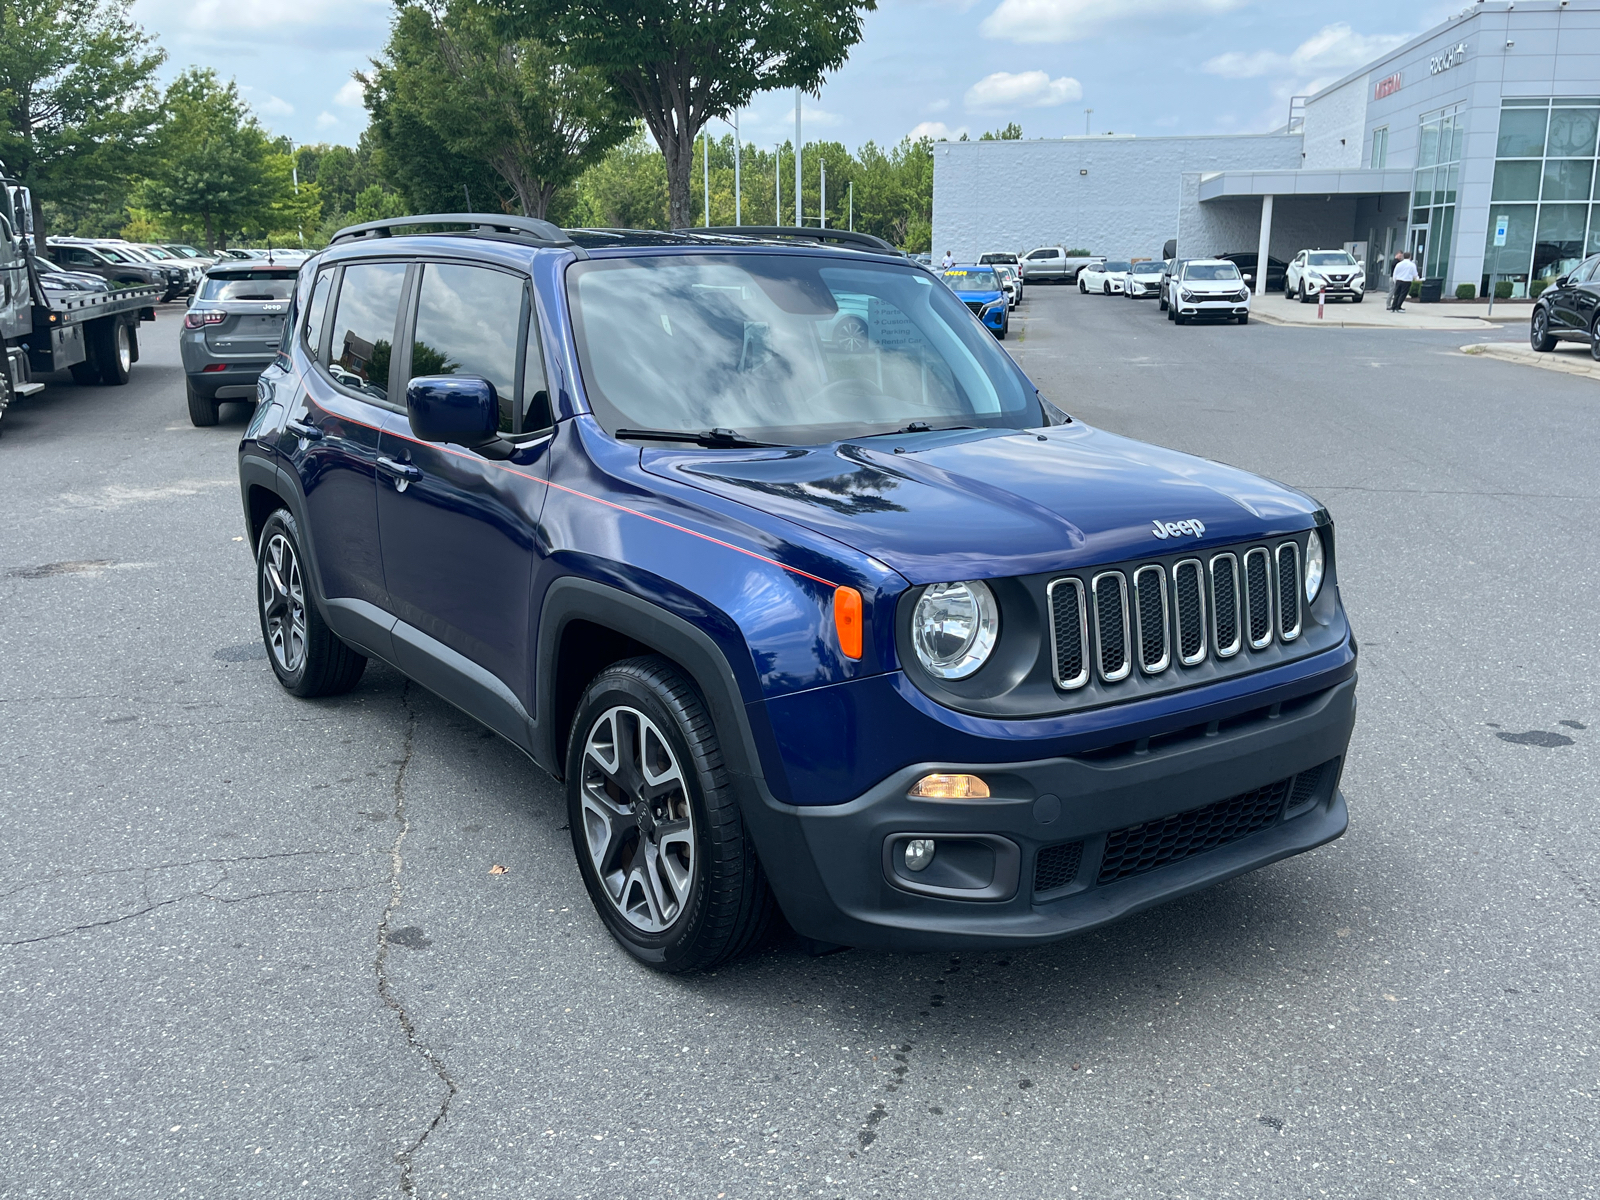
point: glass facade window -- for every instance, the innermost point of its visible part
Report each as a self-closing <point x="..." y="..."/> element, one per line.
<point x="1544" y="177"/>
<point x="1433" y="195"/>
<point x="1380" y="148"/>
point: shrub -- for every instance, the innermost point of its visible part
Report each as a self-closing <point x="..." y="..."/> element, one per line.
<point x="1503" y="289"/>
<point x="1465" y="291"/>
<point x="1416" y="288"/>
<point x="1079" y="252"/>
<point x="1536" y="287"/>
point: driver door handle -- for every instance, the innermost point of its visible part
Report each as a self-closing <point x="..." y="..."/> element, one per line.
<point x="400" y="470"/>
<point x="311" y="433"/>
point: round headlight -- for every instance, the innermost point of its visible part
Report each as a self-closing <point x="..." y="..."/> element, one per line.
<point x="1316" y="566"/>
<point x="953" y="628"/>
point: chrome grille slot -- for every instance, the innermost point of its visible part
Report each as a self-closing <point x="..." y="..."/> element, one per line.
<point x="1069" y="634"/>
<point x="1289" y="591"/>
<point x="1225" y="604"/>
<point x="1111" y="625"/>
<point x="1189" y="612"/>
<point x="1150" y="605"/>
<point x="1258" y="597"/>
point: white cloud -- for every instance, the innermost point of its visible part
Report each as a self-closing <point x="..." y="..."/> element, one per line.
<point x="274" y="16"/>
<point x="937" y="106"/>
<point x="1069" y="20"/>
<point x="1333" y="51"/>
<point x="326" y="120"/>
<point x="1027" y="89"/>
<point x="351" y="95"/>
<point x="937" y="130"/>
<point x="274" y="106"/>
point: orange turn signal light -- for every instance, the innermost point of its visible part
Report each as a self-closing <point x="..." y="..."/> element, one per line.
<point x="950" y="787"/>
<point x="847" y="620"/>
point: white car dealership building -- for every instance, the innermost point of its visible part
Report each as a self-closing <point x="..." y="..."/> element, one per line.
<point x="1473" y="146"/>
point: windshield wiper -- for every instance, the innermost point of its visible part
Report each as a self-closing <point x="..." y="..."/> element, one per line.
<point x="716" y="439"/>
<point x="924" y="427"/>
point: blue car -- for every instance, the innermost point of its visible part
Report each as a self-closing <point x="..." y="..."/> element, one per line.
<point x="981" y="290"/>
<point x="813" y="604"/>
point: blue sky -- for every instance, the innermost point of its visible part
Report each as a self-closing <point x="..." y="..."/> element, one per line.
<point x="937" y="66"/>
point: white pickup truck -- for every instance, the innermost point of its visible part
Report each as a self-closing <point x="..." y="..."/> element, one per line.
<point x="1052" y="264"/>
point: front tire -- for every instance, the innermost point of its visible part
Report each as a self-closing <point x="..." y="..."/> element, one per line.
<point x="202" y="411"/>
<point x="1594" y="340"/>
<point x="307" y="657"/>
<point x="1305" y="298"/>
<point x="656" y="826"/>
<point x="1245" y="319"/>
<point x="1539" y="331"/>
<point x="1083" y="287"/>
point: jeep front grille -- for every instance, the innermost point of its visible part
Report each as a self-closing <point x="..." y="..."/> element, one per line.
<point x="1111" y="626"/>
<point x="1173" y="615"/>
<point x="1069" y="634"/>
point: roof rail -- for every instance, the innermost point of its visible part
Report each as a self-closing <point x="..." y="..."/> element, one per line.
<point x="488" y="225"/>
<point x="841" y="237"/>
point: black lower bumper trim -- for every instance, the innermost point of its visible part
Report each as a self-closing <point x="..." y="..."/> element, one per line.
<point x="1281" y="773"/>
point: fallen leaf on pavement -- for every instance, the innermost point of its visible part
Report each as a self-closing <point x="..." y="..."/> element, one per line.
<point x="497" y="869"/>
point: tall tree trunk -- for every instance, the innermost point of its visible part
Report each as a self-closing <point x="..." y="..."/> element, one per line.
<point x="211" y="241"/>
<point x="38" y="224"/>
<point x="679" y="153"/>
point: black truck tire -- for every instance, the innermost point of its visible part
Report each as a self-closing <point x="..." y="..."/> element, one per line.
<point x="111" y="349"/>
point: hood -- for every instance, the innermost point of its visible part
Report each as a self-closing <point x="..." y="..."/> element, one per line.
<point x="986" y="504"/>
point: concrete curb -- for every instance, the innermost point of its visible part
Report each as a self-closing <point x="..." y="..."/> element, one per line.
<point x="1465" y="324"/>
<point x="1527" y="356"/>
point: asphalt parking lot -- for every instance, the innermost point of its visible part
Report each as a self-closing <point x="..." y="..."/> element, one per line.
<point x="253" y="945"/>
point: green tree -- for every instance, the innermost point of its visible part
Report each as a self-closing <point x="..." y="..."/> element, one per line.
<point x="214" y="168"/>
<point x="683" y="62"/>
<point x="508" y="102"/>
<point x="1011" y="133"/>
<point x="78" y="101"/>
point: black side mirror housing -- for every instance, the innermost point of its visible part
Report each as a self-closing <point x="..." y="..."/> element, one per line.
<point x="464" y="409"/>
<point x="1561" y="282"/>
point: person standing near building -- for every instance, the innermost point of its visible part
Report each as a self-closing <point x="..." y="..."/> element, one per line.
<point x="1404" y="272"/>
<point x="948" y="262"/>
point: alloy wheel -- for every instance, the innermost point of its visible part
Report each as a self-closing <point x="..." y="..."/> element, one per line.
<point x="638" y="823"/>
<point x="283" y="604"/>
<point x="124" y="348"/>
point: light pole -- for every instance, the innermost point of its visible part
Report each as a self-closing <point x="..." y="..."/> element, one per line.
<point x="852" y="206"/>
<point x="705" y="164"/>
<point x="799" y="196"/>
<point x="737" y="216"/>
<point x="822" y="213"/>
<point x="777" y="186"/>
<point x="1087" y="113"/>
<point x="294" y="173"/>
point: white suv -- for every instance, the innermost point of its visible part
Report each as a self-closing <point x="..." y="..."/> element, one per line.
<point x="1333" y="272"/>
<point x="1208" y="287"/>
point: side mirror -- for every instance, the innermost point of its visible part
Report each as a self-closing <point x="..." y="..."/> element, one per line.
<point x="463" y="409"/>
<point x="1561" y="281"/>
<point x="24" y="202"/>
<point x="1249" y="278"/>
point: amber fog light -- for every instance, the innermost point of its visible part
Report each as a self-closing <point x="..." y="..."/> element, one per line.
<point x="919" y="853"/>
<point x="950" y="787"/>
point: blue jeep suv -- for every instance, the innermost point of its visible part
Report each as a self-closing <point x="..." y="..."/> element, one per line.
<point x="768" y="551"/>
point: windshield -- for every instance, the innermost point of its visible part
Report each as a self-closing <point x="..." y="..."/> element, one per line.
<point x="972" y="279"/>
<point x="1213" y="271"/>
<point x="185" y="251"/>
<point x="1330" y="258"/>
<point x="1148" y="268"/>
<point x="785" y="348"/>
<point x="1116" y="268"/>
<point x="155" y="252"/>
<point x="248" y="285"/>
<point x="998" y="258"/>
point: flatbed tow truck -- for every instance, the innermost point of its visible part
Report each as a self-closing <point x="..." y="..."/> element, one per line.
<point x="95" y="335"/>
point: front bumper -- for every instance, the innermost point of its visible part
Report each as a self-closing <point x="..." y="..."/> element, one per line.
<point x="1065" y="844"/>
<point x="1213" y="308"/>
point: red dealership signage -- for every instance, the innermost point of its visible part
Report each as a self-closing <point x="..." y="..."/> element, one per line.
<point x="1386" y="87"/>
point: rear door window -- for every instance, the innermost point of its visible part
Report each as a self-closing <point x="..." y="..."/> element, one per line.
<point x="469" y="322"/>
<point x="317" y="310"/>
<point x="362" y="347"/>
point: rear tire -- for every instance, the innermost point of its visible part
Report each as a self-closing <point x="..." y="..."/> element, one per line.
<point x="1539" y="331"/>
<point x="307" y="657"/>
<point x="202" y="412"/>
<point x="676" y="903"/>
<point x="111" y="350"/>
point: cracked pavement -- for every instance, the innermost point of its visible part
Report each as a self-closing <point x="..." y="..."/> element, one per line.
<point x="251" y="945"/>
